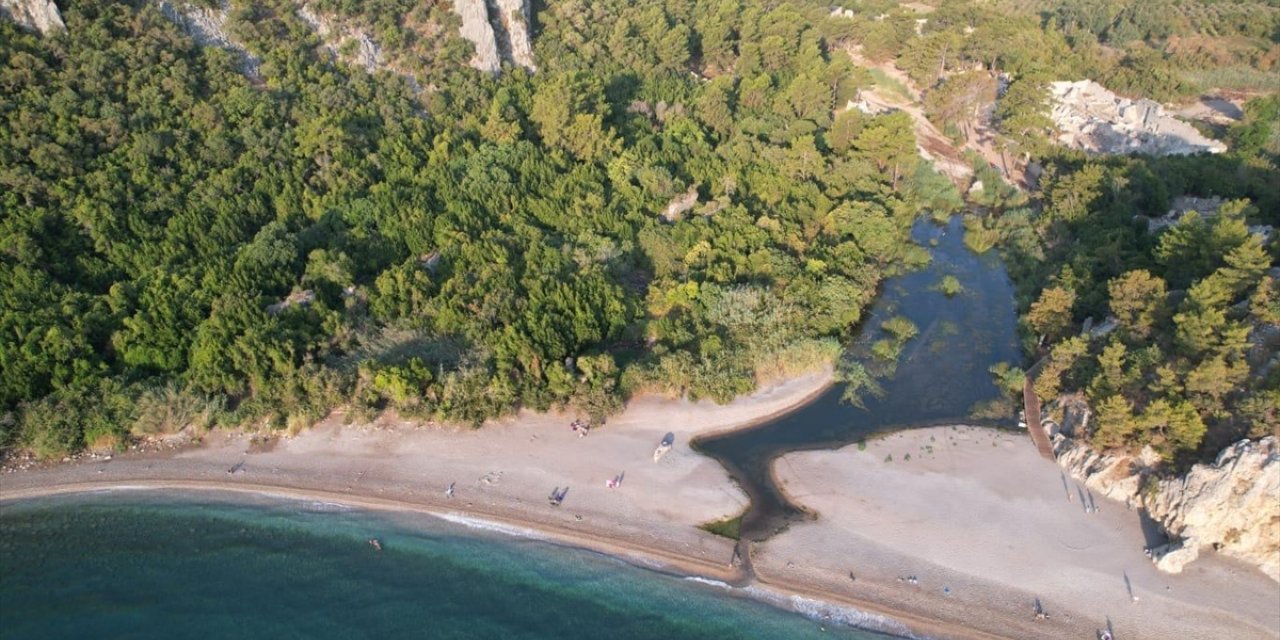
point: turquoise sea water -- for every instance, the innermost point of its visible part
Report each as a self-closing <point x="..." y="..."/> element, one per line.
<point x="164" y="565"/>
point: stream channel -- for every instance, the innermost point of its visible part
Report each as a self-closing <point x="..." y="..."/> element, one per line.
<point x="941" y="375"/>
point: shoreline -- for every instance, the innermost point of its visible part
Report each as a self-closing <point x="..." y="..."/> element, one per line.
<point x="771" y="592"/>
<point x="882" y="520"/>
<point x="499" y="524"/>
<point x="321" y="464"/>
<point x="991" y="529"/>
<point x="799" y="402"/>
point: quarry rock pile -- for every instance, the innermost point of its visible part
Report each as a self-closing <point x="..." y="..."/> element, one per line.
<point x="1095" y="120"/>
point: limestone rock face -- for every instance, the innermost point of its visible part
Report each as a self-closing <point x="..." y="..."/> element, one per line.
<point x="367" y="53"/>
<point x="1093" y="119"/>
<point x="38" y="15"/>
<point x="1232" y="504"/>
<point x="477" y="30"/>
<point x="1116" y="477"/>
<point x="514" y="16"/>
<point x="499" y="29"/>
<point x="208" y="28"/>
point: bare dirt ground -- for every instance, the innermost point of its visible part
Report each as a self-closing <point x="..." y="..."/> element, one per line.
<point x="931" y="142"/>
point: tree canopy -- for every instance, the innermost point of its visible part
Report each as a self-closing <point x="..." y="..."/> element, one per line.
<point x="269" y="248"/>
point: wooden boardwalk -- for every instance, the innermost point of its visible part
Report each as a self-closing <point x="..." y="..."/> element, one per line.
<point x="1031" y="406"/>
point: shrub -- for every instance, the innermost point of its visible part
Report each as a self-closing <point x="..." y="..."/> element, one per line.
<point x="977" y="237"/>
<point x="950" y="286"/>
<point x="170" y="408"/>
<point x="730" y="527"/>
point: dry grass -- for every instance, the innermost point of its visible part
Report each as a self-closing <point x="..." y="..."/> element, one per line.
<point x="169" y="409"/>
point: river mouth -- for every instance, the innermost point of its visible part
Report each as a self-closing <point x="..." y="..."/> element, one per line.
<point x="940" y="377"/>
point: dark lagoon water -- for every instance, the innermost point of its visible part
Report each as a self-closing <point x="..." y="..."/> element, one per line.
<point x="940" y="376"/>
<point x="172" y="566"/>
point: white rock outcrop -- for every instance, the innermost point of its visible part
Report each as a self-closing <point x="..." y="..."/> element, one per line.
<point x="1203" y="207"/>
<point x="1182" y="205"/>
<point x="499" y="30"/>
<point x="1231" y="505"/>
<point x="1093" y="119"/>
<point x="208" y="27"/>
<point x="514" y="16"/>
<point x="37" y="15"/>
<point x="477" y="30"/>
<point x="680" y="204"/>
<point x="366" y="53"/>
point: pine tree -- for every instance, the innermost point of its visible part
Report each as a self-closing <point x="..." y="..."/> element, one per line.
<point x="1137" y="300"/>
<point x="1050" y="315"/>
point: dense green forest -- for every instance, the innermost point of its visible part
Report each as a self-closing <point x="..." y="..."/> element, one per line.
<point x="1190" y="363"/>
<point x="182" y="244"/>
<point x="1185" y="320"/>
<point x="677" y="201"/>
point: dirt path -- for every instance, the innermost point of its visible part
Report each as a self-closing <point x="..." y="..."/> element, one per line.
<point x="932" y="144"/>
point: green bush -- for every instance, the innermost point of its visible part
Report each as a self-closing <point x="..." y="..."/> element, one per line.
<point x="950" y="286"/>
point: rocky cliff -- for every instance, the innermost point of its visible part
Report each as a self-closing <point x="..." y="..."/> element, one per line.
<point x="208" y="27"/>
<point x="514" y="17"/>
<point x="1231" y="505"/>
<point x="366" y="53"/>
<point x="499" y="30"/>
<point x="37" y="15"/>
<point x="1093" y="119"/>
<point x="477" y="30"/>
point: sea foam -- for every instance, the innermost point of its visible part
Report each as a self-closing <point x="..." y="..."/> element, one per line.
<point x="327" y="507"/>
<point x="489" y="525"/>
<point x="822" y="611"/>
<point x="708" y="581"/>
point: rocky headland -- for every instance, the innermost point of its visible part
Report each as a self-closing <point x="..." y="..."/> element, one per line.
<point x="1231" y="505"/>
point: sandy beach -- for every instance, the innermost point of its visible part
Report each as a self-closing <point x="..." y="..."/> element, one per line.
<point x="988" y="522"/>
<point x="986" y="526"/>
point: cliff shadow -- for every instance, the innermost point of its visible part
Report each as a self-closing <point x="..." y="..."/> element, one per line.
<point x="1152" y="532"/>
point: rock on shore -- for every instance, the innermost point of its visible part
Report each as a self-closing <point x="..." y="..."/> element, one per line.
<point x="1232" y="505"/>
